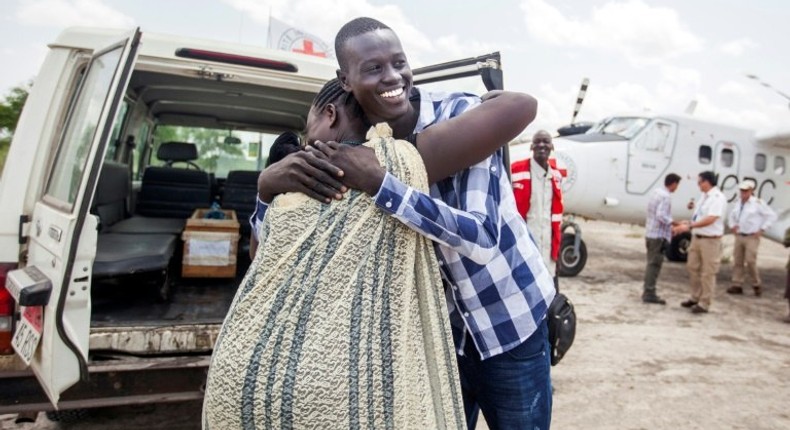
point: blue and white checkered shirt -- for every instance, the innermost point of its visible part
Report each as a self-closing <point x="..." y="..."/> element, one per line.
<point x="659" y="215"/>
<point x="499" y="285"/>
<point x="500" y="288"/>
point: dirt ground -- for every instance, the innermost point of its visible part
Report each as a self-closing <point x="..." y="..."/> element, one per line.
<point x="632" y="366"/>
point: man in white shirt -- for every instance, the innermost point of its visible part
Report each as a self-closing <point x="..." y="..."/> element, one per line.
<point x="748" y="220"/>
<point x="704" y="254"/>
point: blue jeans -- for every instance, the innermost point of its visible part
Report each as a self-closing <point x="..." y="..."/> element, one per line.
<point x="512" y="389"/>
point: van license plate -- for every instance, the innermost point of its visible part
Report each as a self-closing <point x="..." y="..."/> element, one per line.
<point x="28" y="333"/>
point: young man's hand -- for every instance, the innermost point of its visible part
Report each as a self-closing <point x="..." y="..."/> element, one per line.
<point x="301" y="172"/>
<point x="361" y="168"/>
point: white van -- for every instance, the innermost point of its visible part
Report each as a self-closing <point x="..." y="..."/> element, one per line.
<point x="124" y="135"/>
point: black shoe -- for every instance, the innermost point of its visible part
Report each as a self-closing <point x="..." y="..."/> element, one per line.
<point x="697" y="309"/>
<point x="688" y="303"/>
<point x="735" y="290"/>
<point x="653" y="299"/>
<point x="758" y="291"/>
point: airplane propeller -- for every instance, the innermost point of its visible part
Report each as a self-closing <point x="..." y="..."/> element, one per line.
<point x="580" y="99"/>
<point x="573" y="127"/>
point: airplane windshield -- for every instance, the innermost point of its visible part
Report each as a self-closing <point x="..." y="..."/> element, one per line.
<point x="626" y="127"/>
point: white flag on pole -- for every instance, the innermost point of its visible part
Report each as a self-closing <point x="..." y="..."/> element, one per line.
<point x="289" y="38"/>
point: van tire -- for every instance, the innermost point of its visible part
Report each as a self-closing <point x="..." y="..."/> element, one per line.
<point x="68" y="416"/>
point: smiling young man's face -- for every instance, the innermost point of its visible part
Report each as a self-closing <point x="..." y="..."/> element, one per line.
<point x="378" y="74"/>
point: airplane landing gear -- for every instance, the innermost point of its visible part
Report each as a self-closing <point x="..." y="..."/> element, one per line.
<point x="678" y="248"/>
<point x="573" y="251"/>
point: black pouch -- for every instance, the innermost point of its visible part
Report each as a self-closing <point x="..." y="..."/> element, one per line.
<point x="561" y="320"/>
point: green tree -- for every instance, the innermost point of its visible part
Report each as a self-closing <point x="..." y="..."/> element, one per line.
<point x="10" y="109"/>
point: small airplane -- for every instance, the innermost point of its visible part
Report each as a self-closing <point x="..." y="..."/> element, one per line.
<point x="611" y="167"/>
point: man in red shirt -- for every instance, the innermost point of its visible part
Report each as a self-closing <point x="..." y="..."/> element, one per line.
<point x="538" y="192"/>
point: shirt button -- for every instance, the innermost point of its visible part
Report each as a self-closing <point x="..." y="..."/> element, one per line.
<point x="455" y="287"/>
<point x="493" y="169"/>
<point x="441" y="263"/>
<point x="466" y="314"/>
<point x="388" y="204"/>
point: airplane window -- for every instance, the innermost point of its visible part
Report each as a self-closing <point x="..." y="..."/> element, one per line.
<point x="727" y="157"/>
<point x="655" y="138"/>
<point x="779" y="165"/>
<point x="705" y="154"/>
<point x="760" y="161"/>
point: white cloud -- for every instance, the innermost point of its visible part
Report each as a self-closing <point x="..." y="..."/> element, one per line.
<point x="643" y="34"/>
<point x="732" y="88"/>
<point x="737" y="47"/>
<point x="60" y="13"/>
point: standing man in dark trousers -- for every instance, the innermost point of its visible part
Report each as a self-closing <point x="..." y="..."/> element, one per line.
<point x="658" y="233"/>
<point x="704" y="255"/>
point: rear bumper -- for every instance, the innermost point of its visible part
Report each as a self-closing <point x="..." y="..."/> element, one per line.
<point x="118" y="381"/>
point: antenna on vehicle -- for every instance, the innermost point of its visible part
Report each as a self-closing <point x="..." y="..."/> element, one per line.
<point x="767" y="85"/>
<point x="691" y="107"/>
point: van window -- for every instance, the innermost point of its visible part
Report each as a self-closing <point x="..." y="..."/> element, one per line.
<point x="214" y="154"/>
<point x="760" y="161"/>
<point x="117" y="126"/>
<point x="779" y="165"/>
<point x="727" y="157"/>
<point x="705" y="154"/>
<point x="67" y="170"/>
<point x="142" y="141"/>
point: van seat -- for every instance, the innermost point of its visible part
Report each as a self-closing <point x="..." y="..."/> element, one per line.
<point x="125" y="254"/>
<point x="168" y="192"/>
<point x="240" y="193"/>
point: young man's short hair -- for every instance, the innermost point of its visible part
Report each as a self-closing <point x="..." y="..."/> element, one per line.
<point x="671" y="178"/>
<point x="354" y="28"/>
<point x="709" y="177"/>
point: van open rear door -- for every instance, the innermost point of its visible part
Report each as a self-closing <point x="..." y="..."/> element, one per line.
<point x="53" y="291"/>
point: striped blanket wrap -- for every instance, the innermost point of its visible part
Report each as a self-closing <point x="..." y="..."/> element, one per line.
<point x="340" y="322"/>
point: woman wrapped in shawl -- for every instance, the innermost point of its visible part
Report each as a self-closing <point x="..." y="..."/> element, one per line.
<point x="340" y="321"/>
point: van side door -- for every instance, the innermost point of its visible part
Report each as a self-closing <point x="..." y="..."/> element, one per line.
<point x="62" y="240"/>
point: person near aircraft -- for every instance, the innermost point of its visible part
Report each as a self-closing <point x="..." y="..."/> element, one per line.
<point x="538" y="192"/>
<point x="748" y="219"/>
<point x="704" y="253"/>
<point x="787" y="282"/>
<point x="658" y="234"/>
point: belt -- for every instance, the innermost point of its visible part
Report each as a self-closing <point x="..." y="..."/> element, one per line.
<point x="699" y="236"/>
<point x="745" y="234"/>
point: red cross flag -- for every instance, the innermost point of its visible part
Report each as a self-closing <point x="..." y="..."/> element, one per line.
<point x="289" y="38"/>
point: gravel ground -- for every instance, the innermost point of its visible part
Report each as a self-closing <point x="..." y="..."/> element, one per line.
<point x="632" y="366"/>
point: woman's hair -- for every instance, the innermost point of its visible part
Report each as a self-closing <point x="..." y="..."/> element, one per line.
<point x="286" y="143"/>
<point x="333" y="92"/>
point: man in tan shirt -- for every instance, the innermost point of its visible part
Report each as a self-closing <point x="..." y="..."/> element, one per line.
<point x="704" y="254"/>
<point x="748" y="219"/>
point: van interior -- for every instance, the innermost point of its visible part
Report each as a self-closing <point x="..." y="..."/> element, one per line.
<point x="179" y="143"/>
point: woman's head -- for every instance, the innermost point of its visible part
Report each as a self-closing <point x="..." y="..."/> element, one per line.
<point x="335" y="116"/>
<point x="286" y="143"/>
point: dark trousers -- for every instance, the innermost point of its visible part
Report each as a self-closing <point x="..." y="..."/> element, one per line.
<point x="512" y="389"/>
<point x="655" y="258"/>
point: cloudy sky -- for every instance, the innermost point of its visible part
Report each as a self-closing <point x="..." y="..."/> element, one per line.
<point x="640" y="55"/>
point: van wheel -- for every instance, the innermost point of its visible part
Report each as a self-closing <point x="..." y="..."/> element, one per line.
<point x="68" y="416"/>
<point x="571" y="265"/>
<point x="679" y="248"/>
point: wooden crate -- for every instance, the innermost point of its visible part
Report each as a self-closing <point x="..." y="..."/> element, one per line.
<point x="210" y="246"/>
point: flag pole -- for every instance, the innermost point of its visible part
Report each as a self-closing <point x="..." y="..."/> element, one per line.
<point x="269" y="30"/>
